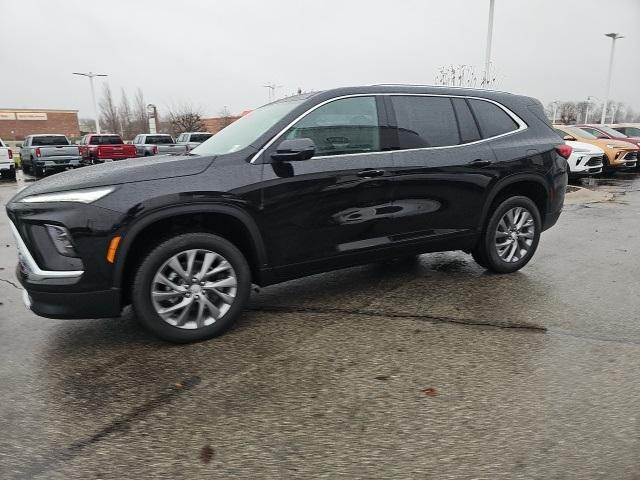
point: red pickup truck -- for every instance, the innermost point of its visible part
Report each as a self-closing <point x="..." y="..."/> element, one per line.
<point x="101" y="148"/>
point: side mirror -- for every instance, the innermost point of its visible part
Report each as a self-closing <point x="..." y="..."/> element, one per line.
<point x="570" y="138"/>
<point x="294" y="150"/>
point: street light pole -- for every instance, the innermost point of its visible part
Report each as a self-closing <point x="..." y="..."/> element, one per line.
<point x="93" y="95"/>
<point x="614" y="37"/>
<point x="487" y="55"/>
<point x="555" y="111"/>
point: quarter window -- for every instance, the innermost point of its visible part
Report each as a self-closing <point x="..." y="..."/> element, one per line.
<point x="492" y="119"/>
<point x="425" y="122"/>
<point x="342" y="127"/>
<point x="594" y="132"/>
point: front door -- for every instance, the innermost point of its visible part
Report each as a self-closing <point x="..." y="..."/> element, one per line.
<point x="335" y="205"/>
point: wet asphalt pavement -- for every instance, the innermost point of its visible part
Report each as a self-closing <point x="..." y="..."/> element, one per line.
<point x="429" y="368"/>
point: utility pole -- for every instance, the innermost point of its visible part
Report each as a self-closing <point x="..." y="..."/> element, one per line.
<point x="93" y="95"/>
<point x="487" y="56"/>
<point x="613" y="37"/>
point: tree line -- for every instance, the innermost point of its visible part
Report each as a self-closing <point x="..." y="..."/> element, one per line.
<point x="131" y="118"/>
<point x="567" y="112"/>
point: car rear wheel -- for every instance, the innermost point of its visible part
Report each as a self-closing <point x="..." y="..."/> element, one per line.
<point x="191" y="287"/>
<point x="510" y="237"/>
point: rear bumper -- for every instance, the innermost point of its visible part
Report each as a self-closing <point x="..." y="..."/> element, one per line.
<point x="75" y="162"/>
<point x="100" y="304"/>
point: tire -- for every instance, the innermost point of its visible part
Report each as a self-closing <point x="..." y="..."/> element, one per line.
<point x="186" y="328"/>
<point x="26" y="168"/>
<point x="516" y="257"/>
<point x="10" y="175"/>
<point x="38" y="171"/>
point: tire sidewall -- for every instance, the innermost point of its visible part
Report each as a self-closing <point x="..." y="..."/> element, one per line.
<point x="494" y="261"/>
<point x="149" y="266"/>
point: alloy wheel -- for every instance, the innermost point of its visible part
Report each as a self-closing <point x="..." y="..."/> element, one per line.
<point x="514" y="234"/>
<point x="194" y="288"/>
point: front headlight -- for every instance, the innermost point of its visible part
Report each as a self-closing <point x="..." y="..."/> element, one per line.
<point x="87" y="195"/>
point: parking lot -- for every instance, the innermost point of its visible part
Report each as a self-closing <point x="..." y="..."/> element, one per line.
<point x="422" y="368"/>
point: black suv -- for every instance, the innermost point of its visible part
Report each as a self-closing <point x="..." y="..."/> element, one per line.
<point x="303" y="185"/>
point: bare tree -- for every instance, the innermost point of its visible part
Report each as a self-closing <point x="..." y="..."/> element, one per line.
<point x="125" y="117"/>
<point x="108" y="111"/>
<point x="139" y="120"/>
<point x="225" y="118"/>
<point x="185" y="119"/>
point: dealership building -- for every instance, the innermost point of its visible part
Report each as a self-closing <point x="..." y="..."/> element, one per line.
<point x="15" y="124"/>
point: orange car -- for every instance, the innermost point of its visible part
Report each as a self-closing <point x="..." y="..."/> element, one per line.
<point x="617" y="153"/>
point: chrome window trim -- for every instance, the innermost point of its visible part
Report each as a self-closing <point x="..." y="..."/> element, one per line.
<point x="521" y="123"/>
<point x="33" y="266"/>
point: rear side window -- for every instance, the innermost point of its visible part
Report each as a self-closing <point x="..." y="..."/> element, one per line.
<point x="468" y="128"/>
<point x="425" y="121"/>
<point x="341" y="127"/>
<point x="106" y="140"/>
<point x="200" y="137"/>
<point x="492" y="119"/>
<point x="594" y="132"/>
<point x="159" y="139"/>
<point x="49" y="140"/>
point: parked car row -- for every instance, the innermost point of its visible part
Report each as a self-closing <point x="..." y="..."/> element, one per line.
<point x="601" y="148"/>
<point x="47" y="152"/>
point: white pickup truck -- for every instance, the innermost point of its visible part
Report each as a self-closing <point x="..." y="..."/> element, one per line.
<point x="7" y="164"/>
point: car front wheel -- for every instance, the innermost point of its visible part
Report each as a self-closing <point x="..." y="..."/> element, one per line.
<point x="510" y="237"/>
<point x="191" y="287"/>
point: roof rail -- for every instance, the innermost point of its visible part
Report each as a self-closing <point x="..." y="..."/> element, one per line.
<point x="433" y="86"/>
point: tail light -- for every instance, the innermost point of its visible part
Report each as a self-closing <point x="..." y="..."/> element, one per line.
<point x="564" y="151"/>
<point x="38" y="154"/>
<point x="155" y="150"/>
<point x="10" y="155"/>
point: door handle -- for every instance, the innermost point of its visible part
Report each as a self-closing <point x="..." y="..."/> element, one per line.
<point x="370" y="173"/>
<point x="480" y="163"/>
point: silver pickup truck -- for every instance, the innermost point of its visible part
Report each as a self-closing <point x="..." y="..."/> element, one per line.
<point x="157" y="144"/>
<point x="193" y="139"/>
<point x="42" y="153"/>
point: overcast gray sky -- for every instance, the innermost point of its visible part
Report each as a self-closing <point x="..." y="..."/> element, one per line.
<point x="219" y="53"/>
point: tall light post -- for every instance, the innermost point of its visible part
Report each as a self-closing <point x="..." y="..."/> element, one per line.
<point x="613" y="37"/>
<point x="272" y="90"/>
<point x="555" y="111"/>
<point x="487" y="55"/>
<point x="91" y="75"/>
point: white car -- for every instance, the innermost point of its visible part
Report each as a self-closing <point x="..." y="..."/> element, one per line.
<point x="7" y="164"/>
<point x="585" y="159"/>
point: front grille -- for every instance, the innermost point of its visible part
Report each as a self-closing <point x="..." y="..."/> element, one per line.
<point x="631" y="156"/>
<point x="594" y="161"/>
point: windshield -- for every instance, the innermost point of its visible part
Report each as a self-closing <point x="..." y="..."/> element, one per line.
<point x="106" y="140"/>
<point x="246" y="130"/>
<point x="49" y="140"/>
<point x="200" y="137"/>
<point x="578" y="132"/>
<point x="632" y="131"/>
<point x="159" y="139"/>
<point x="610" y="131"/>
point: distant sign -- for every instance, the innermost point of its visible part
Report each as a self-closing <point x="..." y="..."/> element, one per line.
<point x="7" y="116"/>
<point x="31" y="115"/>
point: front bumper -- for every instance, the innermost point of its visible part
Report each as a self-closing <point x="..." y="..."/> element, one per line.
<point x="99" y="304"/>
<point x="584" y="164"/>
<point x="627" y="160"/>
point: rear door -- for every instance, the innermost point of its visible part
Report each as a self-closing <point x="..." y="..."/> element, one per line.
<point x="335" y="205"/>
<point x="441" y="171"/>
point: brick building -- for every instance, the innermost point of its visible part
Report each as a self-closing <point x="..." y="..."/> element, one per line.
<point x="215" y="124"/>
<point x="15" y="124"/>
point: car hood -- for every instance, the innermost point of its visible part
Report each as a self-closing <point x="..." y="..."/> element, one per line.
<point x="585" y="147"/>
<point x="122" y="171"/>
